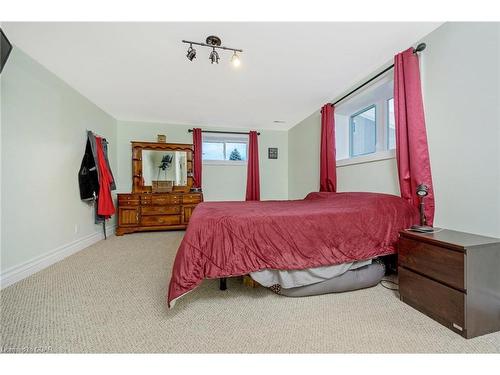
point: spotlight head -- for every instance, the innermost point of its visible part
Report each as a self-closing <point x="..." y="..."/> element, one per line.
<point x="214" y="57"/>
<point x="235" y="60"/>
<point x="422" y="190"/>
<point x="191" y="53"/>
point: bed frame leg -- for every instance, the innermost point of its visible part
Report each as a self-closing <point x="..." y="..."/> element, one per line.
<point x="223" y="283"/>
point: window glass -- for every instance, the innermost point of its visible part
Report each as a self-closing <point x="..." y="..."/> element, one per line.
<point x="213" y="150"/>
<point x="363" y="132"/>
<point x="236" y="151"/>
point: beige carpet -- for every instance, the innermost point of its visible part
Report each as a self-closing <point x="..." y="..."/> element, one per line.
<point x="111" y="298"/>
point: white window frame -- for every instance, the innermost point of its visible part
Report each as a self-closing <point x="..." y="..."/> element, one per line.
<point x="387" y="121"/>
<point x="382" y="120"/>
<point x="225" y="138"/>
<point x="368" y="158"/>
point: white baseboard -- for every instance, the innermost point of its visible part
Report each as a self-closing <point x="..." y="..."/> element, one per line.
<point x="14" y="274"/>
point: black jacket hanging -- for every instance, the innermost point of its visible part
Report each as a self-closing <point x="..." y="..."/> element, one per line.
<point x="87" y="176"/>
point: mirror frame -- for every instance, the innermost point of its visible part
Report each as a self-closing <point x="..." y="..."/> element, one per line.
<point x="137" y="147"/>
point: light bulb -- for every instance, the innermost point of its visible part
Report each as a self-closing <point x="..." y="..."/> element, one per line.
<point x="235" y="60"/>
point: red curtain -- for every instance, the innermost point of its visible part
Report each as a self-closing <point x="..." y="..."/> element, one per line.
<point x="197" y="142"/>
<point x="412" y="152"/>
<point x="253" y="183"/>
<point x="328" y="167"/>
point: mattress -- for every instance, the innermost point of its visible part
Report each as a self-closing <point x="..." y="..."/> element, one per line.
<point x="354" y="279"/>
<point x="297" y="278"/>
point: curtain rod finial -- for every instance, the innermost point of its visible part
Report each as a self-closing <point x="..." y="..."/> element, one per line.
<point x="420" y="47"/>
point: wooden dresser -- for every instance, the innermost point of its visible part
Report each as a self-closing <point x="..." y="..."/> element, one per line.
<point x="452" y="277"/>
<point x="155" y="211"/>
<point x="145" y="209"/>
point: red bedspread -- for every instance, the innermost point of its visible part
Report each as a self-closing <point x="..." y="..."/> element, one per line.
<point x="235" y="238"/>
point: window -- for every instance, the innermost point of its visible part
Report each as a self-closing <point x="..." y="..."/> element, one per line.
<point x="224" y="148"/>
<point x="363" y="137"/>
<point x="365" y="125"/>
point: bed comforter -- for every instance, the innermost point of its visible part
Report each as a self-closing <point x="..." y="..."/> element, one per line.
<point x="226" y="239"/>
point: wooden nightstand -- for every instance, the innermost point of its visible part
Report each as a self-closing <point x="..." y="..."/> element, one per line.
<point x="452" y="277"/>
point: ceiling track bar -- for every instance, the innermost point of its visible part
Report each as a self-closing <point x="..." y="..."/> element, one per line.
<point x="212" y="46"/>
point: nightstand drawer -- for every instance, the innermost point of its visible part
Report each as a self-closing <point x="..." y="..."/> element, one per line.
<point x="436" y="262"/>
<point x="444" y="304"/>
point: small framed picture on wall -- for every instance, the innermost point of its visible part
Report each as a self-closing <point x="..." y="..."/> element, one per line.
<point x="272" y="153"/>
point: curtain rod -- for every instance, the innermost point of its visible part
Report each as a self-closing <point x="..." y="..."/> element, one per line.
<point x="220" y="132"/>
<point x="419" y="48"/>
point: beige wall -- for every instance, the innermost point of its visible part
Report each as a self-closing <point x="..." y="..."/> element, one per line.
<point x="44" y="124"/>
<point x="460" y="80"/>
<point x="220" y="182"/>
<point x="303" y="159"/>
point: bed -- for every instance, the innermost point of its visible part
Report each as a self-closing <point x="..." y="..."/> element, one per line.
<point x="226" y="239"/>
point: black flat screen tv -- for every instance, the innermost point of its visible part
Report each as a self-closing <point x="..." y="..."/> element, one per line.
<point x="5" y="48"/>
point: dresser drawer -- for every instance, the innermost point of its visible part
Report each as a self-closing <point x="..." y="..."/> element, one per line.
<point x="158" y="210"/>
<point x="443" y="304"/>
<point x="191" y="198"/>
<point x="161" y="220"/>
<point x="128" y="203"/>
<point x="161" y="199"/>
<point x="436" y="262"/>
<point x="128" y="200"/>
<point x="128" y="197"/>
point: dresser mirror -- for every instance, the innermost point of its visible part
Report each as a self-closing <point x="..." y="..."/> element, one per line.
<point x="170" y="166"/>
<point x="161" y="167"/>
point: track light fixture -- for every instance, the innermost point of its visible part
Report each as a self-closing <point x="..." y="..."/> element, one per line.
<point x="191" y="53"/>
<point x="215" y="43"/>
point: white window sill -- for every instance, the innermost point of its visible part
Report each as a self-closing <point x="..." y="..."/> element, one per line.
<point x="233" y="163"/>
<point x="377" y="156"/>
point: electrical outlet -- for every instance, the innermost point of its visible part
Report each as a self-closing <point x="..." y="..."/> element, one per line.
<point x="76" y="228"/>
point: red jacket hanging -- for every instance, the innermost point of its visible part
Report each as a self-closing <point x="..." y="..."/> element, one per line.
<point x="105" y="206"/>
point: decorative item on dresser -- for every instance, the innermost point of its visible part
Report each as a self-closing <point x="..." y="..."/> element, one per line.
<point x="452" y="277"/>
<point x="148" y="208"/>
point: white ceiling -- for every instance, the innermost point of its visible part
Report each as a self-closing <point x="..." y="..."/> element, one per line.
<point x="139" y="72"/>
